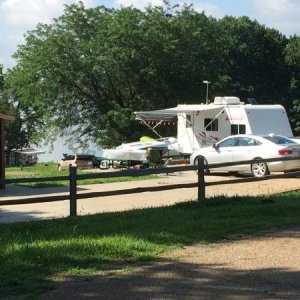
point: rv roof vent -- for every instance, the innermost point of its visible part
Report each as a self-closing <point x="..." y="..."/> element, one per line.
<point x="227" y="100"/>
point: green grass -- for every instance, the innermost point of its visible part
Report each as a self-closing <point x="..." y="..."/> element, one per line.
<point x="33" y="253"/>
<point x="51" y="170"/>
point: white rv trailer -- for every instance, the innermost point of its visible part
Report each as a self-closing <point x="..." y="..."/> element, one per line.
<point x="201" y="125"/>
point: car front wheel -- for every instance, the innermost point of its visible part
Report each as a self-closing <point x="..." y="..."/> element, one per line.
<point x="259" y="169"/>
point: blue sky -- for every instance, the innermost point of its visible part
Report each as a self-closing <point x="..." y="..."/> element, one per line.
<point x="19" y="16"/>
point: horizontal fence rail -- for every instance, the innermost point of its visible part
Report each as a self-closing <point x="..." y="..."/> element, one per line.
<point x="73" y="177"/>
<point x="142" y="172"/>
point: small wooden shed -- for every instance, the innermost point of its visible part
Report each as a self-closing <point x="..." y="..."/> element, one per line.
<point x="3" y="119"/>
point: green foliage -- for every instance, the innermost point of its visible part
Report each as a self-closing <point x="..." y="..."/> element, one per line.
<point x="254" y="61"/>
<point x="4" y="104"/>
<point x="1" y="78"/>
<point x="33" y="253"/>
<point x="86" y="73"/>
<point x="292" y="56"/>
<point x="17" y="134"/>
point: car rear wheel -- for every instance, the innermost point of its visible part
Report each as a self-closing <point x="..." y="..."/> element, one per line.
<point x="206" y="170"/>
<point x="259" y="169"/>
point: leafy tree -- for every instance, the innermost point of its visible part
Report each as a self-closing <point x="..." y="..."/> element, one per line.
<point x="292" y="57"/>
<point x="17" y="134"/>
<point x="92" y="68"/>
<point x="86" y="73"/>
<point x="4" y="106"/>
<point x="254" y="61"/>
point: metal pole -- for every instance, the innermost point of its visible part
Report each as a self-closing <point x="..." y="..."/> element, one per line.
<point x="207" y="83"/>
<point x="201" y="180"/>
<point x="73" y="191"/>
<point x="207" y="92"/>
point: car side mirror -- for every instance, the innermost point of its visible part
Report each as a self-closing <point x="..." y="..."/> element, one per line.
<point x="215" y="146"/>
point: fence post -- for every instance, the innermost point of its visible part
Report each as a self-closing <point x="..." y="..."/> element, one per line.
<point x="73" y="191"/>
<point x="201" y="180"/>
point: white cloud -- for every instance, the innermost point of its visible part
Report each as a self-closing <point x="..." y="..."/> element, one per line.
<point x="19" y="16"/>
<point x="209" y="9"/>
<point x="281" y="14"/>
<point x="140" y="4"/>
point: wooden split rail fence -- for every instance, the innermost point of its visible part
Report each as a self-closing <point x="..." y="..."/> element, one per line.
<point x="73" y="177"/>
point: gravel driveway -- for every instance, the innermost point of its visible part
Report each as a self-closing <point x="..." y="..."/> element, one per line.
<point x="23" y="212"/>
<point x="257" y="267"/>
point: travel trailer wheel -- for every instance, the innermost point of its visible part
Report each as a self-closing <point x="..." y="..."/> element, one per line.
<point x="206" y="171"/>
<point x="259" y="169"/>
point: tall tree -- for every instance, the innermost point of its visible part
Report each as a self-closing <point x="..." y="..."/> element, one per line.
<point x="4" y="105"/>
<point x="90" y="69"/>
<point x="254" y="61"/>
<point x="17" y="134"/>
<point x="292" y="56"/>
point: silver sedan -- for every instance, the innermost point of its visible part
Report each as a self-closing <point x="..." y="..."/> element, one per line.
<point x="250" y="147"/>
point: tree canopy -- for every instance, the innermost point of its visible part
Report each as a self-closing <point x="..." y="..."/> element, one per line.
<point x="292" y="55"/>
<point x="17" y="131"/>
<point x="92" y="68"/>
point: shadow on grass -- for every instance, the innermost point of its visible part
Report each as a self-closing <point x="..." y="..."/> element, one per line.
<point x="32" y="253"/>
<point x="180" y="280"/>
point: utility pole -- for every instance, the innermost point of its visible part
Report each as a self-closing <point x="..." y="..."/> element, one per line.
<point x="207" y="83"/>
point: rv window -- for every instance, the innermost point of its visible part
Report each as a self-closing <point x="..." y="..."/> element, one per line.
<point x="188" y="121"/>
<point x="238" y="129"/>
<point x="210" y="124"/>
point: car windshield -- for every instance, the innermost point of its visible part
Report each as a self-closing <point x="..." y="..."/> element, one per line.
<point x="279" y="140"/>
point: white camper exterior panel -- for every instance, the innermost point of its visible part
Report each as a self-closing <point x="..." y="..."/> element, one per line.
<point x="195" y="131"/>
<point x="266" y="119"/>
<point x="201" y="128"/>
<point x="200" y="125"/>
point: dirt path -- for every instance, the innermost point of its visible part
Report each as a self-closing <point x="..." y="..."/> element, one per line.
<point x="16" y="213"/>
<point x="256" y="267"/>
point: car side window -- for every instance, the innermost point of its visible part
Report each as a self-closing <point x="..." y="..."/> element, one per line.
<point x="245" y="141"/>
<point x="229" y="143"/>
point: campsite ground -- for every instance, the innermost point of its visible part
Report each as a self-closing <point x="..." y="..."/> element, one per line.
<point x="265" y="266"/>
<point x="59" y="209"/>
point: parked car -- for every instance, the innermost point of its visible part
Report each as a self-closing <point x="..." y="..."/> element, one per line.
<point x="95" y="161"/>
<point x="251" y="147"/>
<point x="82" y="161"/>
